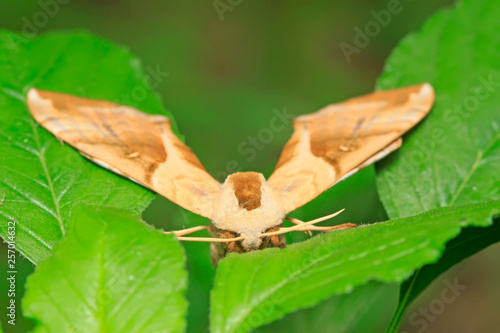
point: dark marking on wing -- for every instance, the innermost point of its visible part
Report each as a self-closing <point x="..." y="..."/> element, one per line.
<point x="188" y="155"/>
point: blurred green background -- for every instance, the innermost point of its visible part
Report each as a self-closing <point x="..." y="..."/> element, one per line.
<point x="226" y="79"/>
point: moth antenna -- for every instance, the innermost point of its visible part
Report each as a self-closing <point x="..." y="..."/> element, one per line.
<point x="313" y="227"/>
<point x="307" y="228"/>
<point x="187" y="231"/>
<point x="299" y="222"/>
<point x="330" y="228"/>
<point x="212" y="240"/>
<point x="301" y="226"/>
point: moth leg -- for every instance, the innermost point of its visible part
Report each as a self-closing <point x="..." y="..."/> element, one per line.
<point x="215" y="254"/>
<point x="342" y="226"/>
<point x="278" y="241"/>
<point x="230" y="245"/>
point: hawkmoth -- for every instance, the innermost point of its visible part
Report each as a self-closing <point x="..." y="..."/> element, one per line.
<point x="246" y="211"/>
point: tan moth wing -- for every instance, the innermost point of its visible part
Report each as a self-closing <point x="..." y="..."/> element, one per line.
<point x="131" y="143"/>
<point x="338" y="140"/>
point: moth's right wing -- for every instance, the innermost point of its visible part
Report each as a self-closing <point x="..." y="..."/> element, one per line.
<point x="131" y="143"/>
<point x="340" y="139"/>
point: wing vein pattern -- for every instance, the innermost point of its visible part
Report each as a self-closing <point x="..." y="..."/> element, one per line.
<point x="134" y="144"/>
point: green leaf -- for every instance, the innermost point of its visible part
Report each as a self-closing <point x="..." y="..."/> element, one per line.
<point x="363" y="310"/>
<point x="41" y="178"/>
<point x="259" y="287"/>
<point x="470" y="241"/>
<point x="453" y="157"/>
<point x="112" y="273"/>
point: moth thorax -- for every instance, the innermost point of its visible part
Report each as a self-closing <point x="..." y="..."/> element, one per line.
<point x="247" y="205"/>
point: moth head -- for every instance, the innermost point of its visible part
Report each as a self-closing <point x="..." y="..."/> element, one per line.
<point x="248" y="206"/>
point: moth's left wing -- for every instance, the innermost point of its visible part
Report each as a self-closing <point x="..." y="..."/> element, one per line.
<point x="131" y="143"/>
<point x="336" y="141"/>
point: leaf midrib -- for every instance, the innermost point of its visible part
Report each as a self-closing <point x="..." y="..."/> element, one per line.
<point x="50" y="184"/>
<point x="472" y="170"/>
<point x="40" y="150"/>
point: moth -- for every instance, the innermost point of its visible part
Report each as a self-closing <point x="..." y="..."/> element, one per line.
<point x="246" y="211"/>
